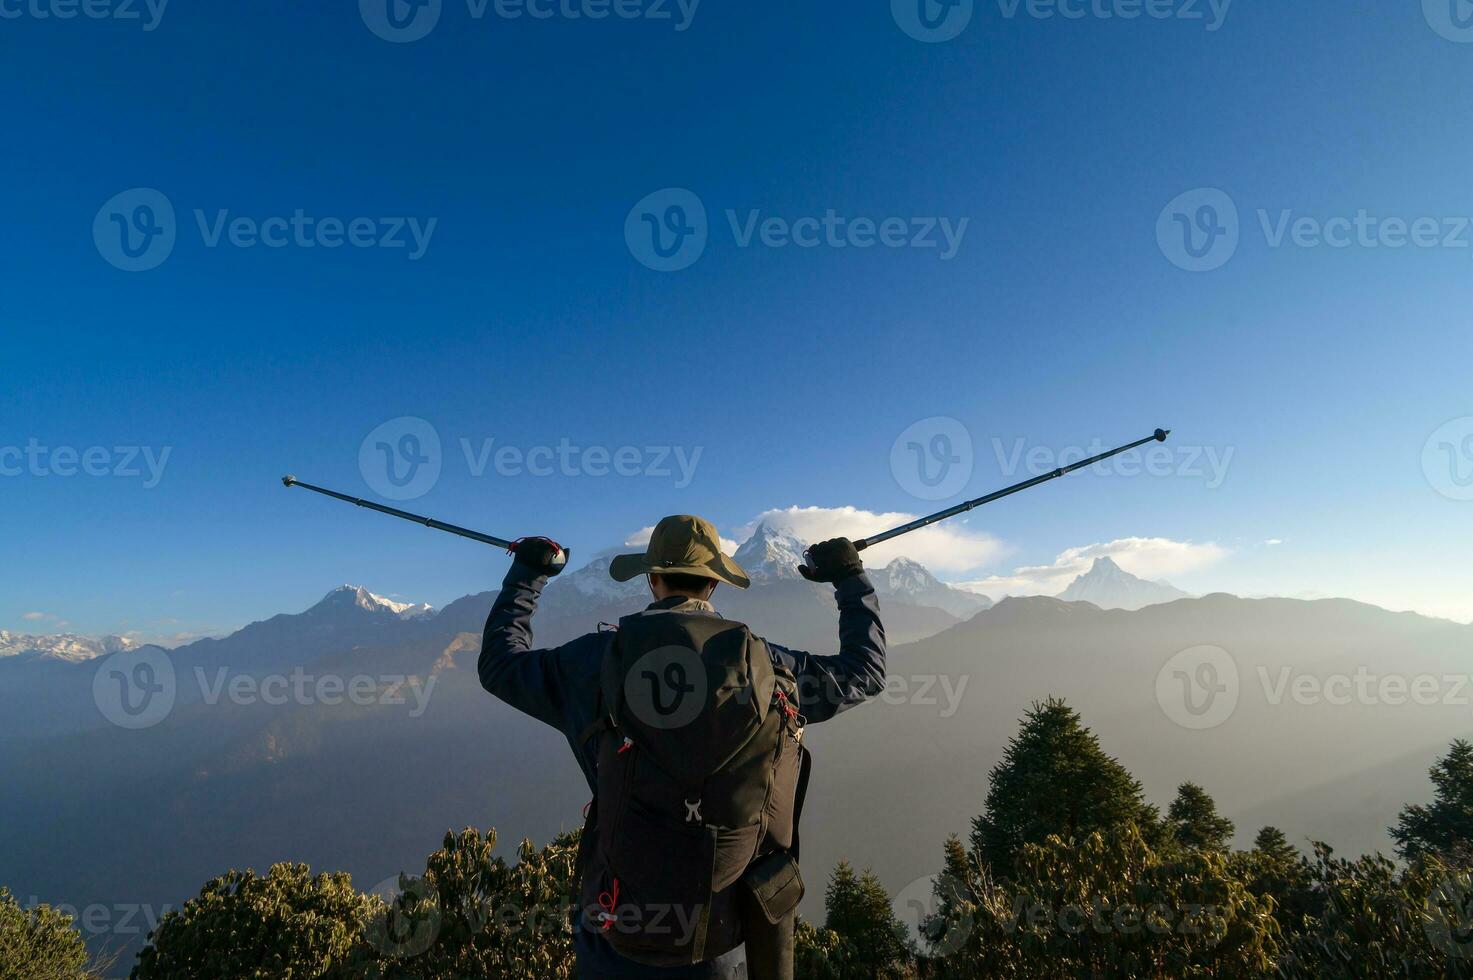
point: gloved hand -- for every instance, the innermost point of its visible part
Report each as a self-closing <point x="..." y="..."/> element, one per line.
<point x="831" y="561"/>
<point x="543" y="555"/>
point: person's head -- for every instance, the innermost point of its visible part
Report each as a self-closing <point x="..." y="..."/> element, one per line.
<point x="684" y="557"/>
<point x="662" y="586"/>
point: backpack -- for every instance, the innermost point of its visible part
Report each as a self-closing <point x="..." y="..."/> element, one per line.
<point x="699" y="763"/>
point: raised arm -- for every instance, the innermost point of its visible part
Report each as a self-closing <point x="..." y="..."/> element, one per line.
<point x="828" y="685"/>
<point x="542" y="683"/>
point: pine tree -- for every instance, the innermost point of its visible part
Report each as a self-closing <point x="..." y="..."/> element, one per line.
<point x="1272" y="843"/>
<point x="1444" y="828"/>
<point x="1194" y="821"/>
<point x="1054" y="779"/>
<point x="859" y="912"/>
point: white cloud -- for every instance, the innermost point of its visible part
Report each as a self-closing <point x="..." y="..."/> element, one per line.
<point x="1149" y="558"/>
<point x="948" y="547"/>
<point x="641" y="538"/>
<point x="34" y="616"/>
<point x="1271" y="542"/>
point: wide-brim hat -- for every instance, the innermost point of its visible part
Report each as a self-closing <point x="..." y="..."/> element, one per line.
<point x="681" y="545"/>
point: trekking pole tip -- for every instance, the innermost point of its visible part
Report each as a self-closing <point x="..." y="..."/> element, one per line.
<point x="1161" y="434"/>
<point x="288" y="480"/>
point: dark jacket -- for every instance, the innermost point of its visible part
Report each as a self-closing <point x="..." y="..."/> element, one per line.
<point x="559" y="686"/>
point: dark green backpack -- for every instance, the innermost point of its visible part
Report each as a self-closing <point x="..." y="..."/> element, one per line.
<point x="699" y="763"/>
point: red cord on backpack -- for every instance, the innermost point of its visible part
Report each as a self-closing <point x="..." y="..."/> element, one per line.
<point x="609" y="902"/>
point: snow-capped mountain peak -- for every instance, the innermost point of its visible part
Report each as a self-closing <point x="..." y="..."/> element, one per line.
<point x="593" y="580"/>
<point x="66" y="647"/>
<point x="357" y="595"/>
<point x="910" y="581"/>
<point x="903" y="576"/>
<point x="1109" y="586"/>
<point x="770" y="553"/>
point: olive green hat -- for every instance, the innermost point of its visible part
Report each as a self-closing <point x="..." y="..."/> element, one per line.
<point x="681" y="545"/>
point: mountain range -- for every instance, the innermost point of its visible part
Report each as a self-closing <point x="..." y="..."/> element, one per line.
<point x="148" y="815"/>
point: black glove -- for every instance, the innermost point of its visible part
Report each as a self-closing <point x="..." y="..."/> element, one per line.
<point x="543" y="555"/>
<point x="831" y="561"/>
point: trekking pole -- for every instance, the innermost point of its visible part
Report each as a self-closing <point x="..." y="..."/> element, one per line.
<point x="1158" y="436"/>
<point x="430" y="522"/>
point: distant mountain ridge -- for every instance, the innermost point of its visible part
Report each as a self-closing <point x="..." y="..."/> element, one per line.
<point x="63" y="647"/>
<point x="1109" y="586"/>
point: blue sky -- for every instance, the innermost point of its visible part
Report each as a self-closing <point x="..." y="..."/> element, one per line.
<point x="1333" y="381"/>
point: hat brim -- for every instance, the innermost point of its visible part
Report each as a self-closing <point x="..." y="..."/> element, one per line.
<point x="721" y="568"/>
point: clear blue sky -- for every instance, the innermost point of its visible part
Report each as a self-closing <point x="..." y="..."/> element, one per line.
<point x="1059" y="320"/>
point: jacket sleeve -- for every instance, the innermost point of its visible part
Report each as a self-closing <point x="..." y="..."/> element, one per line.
<point x="828" y="685"/>
<point x="541" y="683"/>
